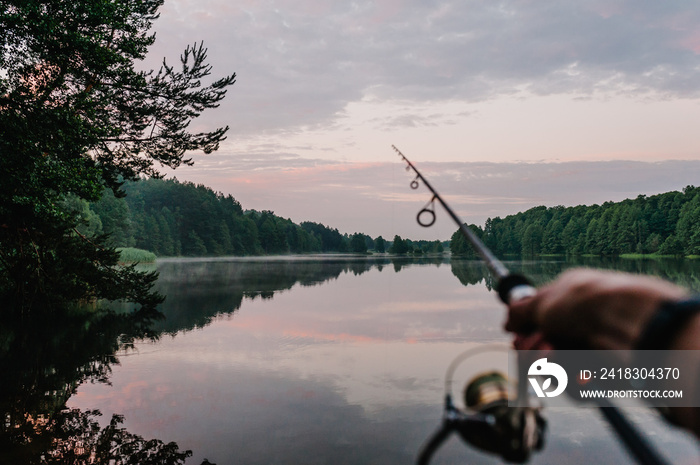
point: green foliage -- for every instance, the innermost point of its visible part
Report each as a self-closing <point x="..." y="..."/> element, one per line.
<point x="459" y="245"/>
<point x="435" y="247"/>
<point x="358" y="244"/>
<point x="399" y="246"/>
<point x="134" y="255"/>
<point x="115" y="217"/>
<point x="330" y="239"/>
<point x="671" y="246"/>
<point x="532" y="240"/>
<point x="77" y="116"/>
<point x="666" y="224"/>
<point x="380" y="245"/>
<point x="171" y="218"/>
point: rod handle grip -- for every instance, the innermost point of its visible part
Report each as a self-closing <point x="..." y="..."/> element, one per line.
<point x="514" y="287"/>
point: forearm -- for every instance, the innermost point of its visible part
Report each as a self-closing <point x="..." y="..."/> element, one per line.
<point x="688" y="339"/>
<point x="602" y="310"/>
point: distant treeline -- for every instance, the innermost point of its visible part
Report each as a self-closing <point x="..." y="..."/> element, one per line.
<point x="172" y="218"/>
<point x="663" y="224"/>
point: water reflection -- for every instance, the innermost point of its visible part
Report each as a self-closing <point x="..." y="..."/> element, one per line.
<point x="43" y="359"/>
<point x="685" y="273"/>
<point x="336" y="360"/>
<point x="199" y="290"/>
<point x="281" y="360"/>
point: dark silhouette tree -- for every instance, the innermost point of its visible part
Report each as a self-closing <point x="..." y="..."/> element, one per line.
<point x="399" y="246"/>
<point x="76" y="116"/>
<point x="358" y="243"/>
<point x="380" y="245"/>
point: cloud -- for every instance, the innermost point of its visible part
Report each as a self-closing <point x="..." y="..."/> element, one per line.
<point x="300" y="63"/>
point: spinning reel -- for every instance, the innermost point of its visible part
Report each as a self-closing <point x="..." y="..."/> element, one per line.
<point x="489" y="423"/>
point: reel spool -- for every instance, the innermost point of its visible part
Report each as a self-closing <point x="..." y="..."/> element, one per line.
<point x="488" y="423"/>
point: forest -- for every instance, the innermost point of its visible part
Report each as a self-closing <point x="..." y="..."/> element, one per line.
<point x="173" y="218"/>
<point x="663" y="224"/>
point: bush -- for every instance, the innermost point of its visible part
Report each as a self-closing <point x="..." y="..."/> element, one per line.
<point x="133" y="255"/>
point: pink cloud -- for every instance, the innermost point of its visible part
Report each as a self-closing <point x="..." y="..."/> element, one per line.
<point x="298" y="328"/>
<point x="692" y="42"/>
<point x="328" y="337"/>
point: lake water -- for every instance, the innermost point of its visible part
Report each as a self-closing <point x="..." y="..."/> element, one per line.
<point x="330" y="359"/>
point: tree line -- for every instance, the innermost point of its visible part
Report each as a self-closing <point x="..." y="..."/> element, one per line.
<point x="663" y="224"/>
<point x="173" y="218"/>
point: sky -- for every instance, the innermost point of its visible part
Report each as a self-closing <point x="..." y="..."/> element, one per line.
<point x="504" y="105"/>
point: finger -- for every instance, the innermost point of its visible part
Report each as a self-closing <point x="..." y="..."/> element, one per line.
<point x="521" y="316"/>
<point x="534" y="341"/>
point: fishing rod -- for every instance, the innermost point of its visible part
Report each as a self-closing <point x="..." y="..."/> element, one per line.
<point x="512" y="432"/>
<point x="510" y="286"/>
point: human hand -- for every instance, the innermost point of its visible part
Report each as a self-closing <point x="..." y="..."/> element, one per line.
<point x="593" y="309"/>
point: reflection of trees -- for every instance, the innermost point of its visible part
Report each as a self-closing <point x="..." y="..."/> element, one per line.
<point x="685" y="273"/>
<point x="75" y="437"/>
<point x="400" y="262"/>
<point x="469" y="271"/>
<point x="197" y="291"/>
<point x="43" y="359"/>
<point x="46" y="356"/>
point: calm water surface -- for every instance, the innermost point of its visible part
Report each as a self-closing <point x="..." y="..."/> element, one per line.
<point x="331" y="360"/>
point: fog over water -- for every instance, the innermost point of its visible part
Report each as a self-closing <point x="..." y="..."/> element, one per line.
<point x="333" y="360"/>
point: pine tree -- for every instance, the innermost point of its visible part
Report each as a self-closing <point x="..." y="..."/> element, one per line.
<point x="358" y="243"/>
<point x="380" y="245"/>
<point x="75" y="116"/>
<point x="399" y="246"/>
